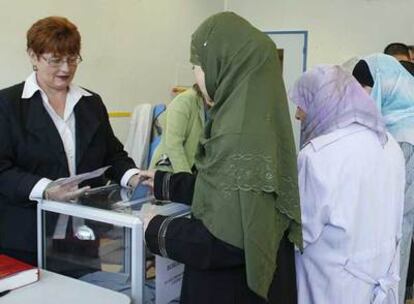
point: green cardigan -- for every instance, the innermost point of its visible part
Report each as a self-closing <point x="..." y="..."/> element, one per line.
<point x="182" y="125"/>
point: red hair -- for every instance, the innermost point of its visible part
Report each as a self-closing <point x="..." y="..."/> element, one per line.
<point x="56" y="35"/>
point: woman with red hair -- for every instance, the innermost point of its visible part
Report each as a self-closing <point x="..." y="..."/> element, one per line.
<point x="51" y="128"/>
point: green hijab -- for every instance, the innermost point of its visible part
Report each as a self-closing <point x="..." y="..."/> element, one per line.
<point x="246" y="191"/>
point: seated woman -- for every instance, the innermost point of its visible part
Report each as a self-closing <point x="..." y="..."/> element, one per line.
<point x="238" y="246"/>
<point x="182" y="125"/>
<point x="51" y="128"/>
<point x="392" y="88"/>
<point x="351" y="181"/>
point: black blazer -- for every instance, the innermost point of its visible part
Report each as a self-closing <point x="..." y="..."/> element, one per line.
<point x="31" y="148"/>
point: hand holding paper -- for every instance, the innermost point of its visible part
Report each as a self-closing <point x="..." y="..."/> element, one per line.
<point x="64" y="193"/>
<point x="146" y="177"/>
<point x="66" y="189"/>
<point x="77" y="179"/>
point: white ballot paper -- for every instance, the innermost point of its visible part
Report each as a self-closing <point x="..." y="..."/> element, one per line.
<point x="77" y="179"/>
<point x="81" y="231"/>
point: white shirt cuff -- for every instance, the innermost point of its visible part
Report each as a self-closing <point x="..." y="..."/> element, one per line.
<point x="39" y="188"/>
<point x="127" y="176"/>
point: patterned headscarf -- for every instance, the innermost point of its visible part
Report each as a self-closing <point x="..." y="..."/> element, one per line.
<point x="246" y="191"/>
<point x="333" y="99"/>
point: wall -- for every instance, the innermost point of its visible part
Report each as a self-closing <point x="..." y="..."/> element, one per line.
<point x="134" y="51"/>
<point x="338" y="30"/>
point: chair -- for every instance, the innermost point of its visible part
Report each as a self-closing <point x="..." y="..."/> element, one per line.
<point x="156" y="129"/>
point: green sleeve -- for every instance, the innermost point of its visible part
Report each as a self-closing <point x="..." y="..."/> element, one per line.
<point x="175" y="132"/>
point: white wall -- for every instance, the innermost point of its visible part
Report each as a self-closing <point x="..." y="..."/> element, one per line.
<point x="134" y="51"/>
<point x="338" y="29"/>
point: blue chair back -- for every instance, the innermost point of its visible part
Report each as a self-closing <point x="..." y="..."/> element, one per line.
<point x="156" y="129"/>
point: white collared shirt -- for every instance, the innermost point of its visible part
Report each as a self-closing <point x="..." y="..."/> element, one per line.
<point x="66" y="127"/>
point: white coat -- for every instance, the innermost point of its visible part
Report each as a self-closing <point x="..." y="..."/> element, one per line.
<point x="352" y="196"/>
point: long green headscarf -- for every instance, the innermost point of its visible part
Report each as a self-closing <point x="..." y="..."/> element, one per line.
<point x="246" y="190"/>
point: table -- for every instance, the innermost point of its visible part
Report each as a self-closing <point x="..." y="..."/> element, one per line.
<point x="54" y="288"/>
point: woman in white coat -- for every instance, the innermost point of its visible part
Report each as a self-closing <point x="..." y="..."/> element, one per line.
<point x="351" y="181"/>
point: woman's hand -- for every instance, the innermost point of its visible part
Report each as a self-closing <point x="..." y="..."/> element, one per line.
<point x="148" y="212"/>
<point x="147" y="177"/>
<point x="134" y="180"/>
<point x="64" y="193"/>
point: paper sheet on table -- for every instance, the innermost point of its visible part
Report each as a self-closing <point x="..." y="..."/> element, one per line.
<point x="77" y="179"/>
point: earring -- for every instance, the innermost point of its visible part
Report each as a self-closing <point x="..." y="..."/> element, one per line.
<point x="35" y="68"/>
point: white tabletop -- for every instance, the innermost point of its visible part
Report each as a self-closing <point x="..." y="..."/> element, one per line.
<point x="54" y="288"/>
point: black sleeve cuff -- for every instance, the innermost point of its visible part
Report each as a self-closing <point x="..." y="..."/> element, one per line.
<point x="158" y="184"/>
<point x="178" y="187"/>
<point x="151" y="234"/>
<point x="182" y="187"/>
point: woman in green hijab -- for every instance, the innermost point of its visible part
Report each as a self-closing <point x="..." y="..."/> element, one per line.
<point x="238" y="247"/>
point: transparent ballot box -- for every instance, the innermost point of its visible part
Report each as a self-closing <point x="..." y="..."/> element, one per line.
<point x="100" y="239"/>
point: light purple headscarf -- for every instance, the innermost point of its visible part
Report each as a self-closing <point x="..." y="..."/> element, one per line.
<point x="333" y="99"/>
